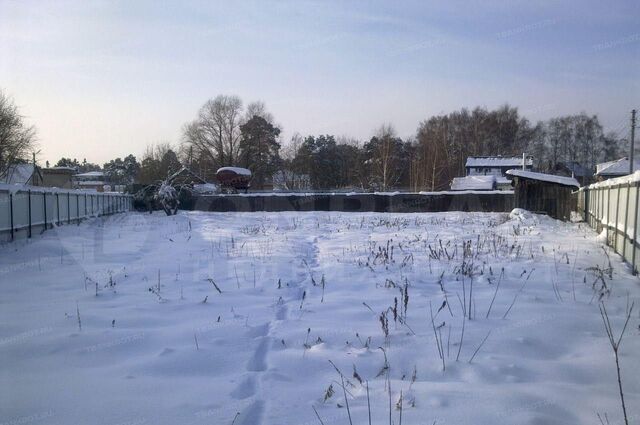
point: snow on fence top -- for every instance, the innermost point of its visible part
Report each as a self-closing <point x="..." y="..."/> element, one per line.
<point x="565" y="181"/>
<point x="237" y="170"/>
<point x="497" y="161"/>
<point x="473" y="183"/>
<point x="631" y="178"/>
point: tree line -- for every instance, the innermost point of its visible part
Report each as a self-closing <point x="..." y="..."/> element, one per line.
<point x="225" y="133"/>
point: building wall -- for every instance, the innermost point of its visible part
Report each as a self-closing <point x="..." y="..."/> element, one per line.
<point x="59" y="180"/>
<point x="492" y="171"/>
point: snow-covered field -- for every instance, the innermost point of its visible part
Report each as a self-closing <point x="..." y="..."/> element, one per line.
<point x="207" y="318"/>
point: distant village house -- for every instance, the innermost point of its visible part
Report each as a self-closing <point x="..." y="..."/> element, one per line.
<point x="613" y="169"/>
<point x="490" y="172"/>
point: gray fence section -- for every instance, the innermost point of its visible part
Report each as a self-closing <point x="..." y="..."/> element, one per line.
<point x="612" y="207"/>
<point x="494" y="201"/>
<point x="31" y="210"/>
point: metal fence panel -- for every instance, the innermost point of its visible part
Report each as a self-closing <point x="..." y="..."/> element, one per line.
<point x="20" y="210"/>
<point x="612" y="207"/>
<point x="28" y="209"/>
<point x="5" y="212"/>
<point x="37" y="209"/>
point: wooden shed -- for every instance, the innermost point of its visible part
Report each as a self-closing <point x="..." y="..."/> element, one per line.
<point x="544" y="193"/>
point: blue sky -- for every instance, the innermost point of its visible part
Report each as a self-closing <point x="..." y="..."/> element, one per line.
<point x="104" y="79"/>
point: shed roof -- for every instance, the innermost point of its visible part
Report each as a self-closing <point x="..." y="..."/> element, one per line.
<point x="497" y="161"/>
<point x="473" y="183"/>
<point x="549" y="178"/>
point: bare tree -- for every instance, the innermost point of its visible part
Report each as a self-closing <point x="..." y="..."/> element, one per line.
<point x="215" y="133"/>
<point x="259" y="109"/>
<point x="290" y="149"/>
<point x="157" y="162"/>
<point x="17" y="139"/>
<point x="384" y="157"/>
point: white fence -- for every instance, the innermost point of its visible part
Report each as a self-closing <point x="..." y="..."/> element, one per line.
<point x="612" y="207"/>
<point x="29" y="210"/>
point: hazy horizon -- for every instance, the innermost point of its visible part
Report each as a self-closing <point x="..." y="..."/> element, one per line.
<point x="101" y="80"/>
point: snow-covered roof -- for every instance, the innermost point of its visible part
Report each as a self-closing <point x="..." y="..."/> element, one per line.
<point x="497" y="161"/>
<point x="60" y="169"/>
<point x="619" y="167"/>
<point x="565" y="181"/>
<point x="91" y="174"/>
<point x="237" y="170"/>
<point x="18" y="174"/>
<point x="473" y="183"/>
<point x="91" y="183"/>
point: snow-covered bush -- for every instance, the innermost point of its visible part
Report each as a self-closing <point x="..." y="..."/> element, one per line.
<point x="168" y="198"/>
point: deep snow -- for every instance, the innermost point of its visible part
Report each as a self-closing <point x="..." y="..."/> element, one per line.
<point x="297" y="290"/>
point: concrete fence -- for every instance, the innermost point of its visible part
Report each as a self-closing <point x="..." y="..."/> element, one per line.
<point x="493" y="201"/>
<point x="611" y="208"/>
<point x="29" y="210"/>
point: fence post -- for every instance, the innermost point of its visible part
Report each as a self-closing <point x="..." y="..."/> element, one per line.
<point x="68" y="208"/>
<point x="608" y="218"/>
<point x="44" y="201"/>
<point x="11" y="213"/>
<point x="635" y="231"/>
<point x="615" y="241"/>
<point x="78" y="207"/>
<point x="601" y="212"/>
<point x="626" y="221"/>
<point x="58" y="207"/>
<point x="587" y="214"/>
<point x="29" y="209"/>
<point x="590" y="215"/>
<point x="596" y="207"/>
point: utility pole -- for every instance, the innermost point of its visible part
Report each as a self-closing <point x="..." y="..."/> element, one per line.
<point x="633" y="134"/>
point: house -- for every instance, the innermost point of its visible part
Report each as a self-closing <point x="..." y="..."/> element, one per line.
<point x="489" y="172"/>
<point x="496" y="165"/>
<point x="91" y="180"/>
<point x="60" y="177"/>
<point x="23" y="174"/>
<point x="617" y="168"/>
<point x="544" y="193"/>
